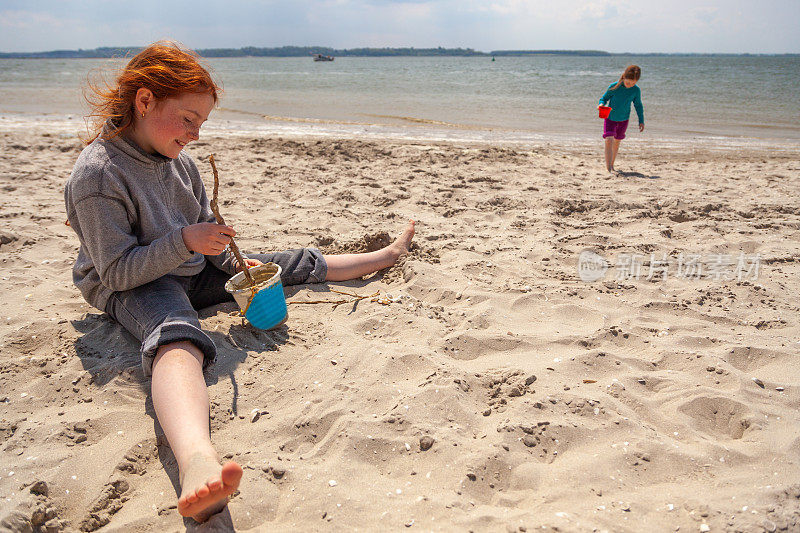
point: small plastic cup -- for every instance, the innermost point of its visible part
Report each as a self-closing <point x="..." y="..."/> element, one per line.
<point x="604" y="111"/>
<point x="267" y="309"/>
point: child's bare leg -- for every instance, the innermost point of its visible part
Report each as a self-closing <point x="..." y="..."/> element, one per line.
<point x="350" y="266"/>
<point x="614" y="150"/>
<point x="181" y="403"/>
<point x="609" y="153"/>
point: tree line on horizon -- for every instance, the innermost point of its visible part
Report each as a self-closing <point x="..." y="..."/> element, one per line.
<point x="292" y="51"/>
<point x="110" y="52"/>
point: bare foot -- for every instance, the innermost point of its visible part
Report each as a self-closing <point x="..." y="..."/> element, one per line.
<point x="205" y="486"/>
<point x="401" y="245"/>
<point x="342" y="267"/>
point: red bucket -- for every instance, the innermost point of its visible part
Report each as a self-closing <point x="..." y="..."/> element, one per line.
<point x="604" y="111"/>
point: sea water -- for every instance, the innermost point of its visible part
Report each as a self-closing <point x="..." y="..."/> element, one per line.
<point x="733" y="100"/>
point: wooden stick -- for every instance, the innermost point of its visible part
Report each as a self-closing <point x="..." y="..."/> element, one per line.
<point x="220" y="220"/>
<point x="337" y="303"/>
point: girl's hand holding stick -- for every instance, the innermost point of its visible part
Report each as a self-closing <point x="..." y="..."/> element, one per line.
<point x="243" y="264"/>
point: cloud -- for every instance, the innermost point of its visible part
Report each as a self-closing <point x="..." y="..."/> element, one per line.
<point x="608" y="14"/>
<point x="382" y="2"/>
<point x="29" y="20"/>
<point x="703" y="16"/>
<point x="614" y="25"/>
<point x="372" y="23"/>
<point x="597" y="11"/>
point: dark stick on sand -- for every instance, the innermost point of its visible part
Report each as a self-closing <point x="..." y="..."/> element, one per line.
<point x="220" y="220"/>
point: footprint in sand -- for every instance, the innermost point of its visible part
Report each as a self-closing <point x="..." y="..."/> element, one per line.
<point x="558" y="320"/>
<point x="468" y="346"/>
<point x="719" y="417"/>
<point x="137" y="458"/>
<point x="113" y="496"/>
<point x="77" y="433"/>
<point x="489" y="479"/>
<point x="309" y="433"/>
<point x="106" y="505"/>
<point x="747" y="358"/>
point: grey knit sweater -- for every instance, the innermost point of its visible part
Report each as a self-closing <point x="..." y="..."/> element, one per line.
<point x="128" y="208"/>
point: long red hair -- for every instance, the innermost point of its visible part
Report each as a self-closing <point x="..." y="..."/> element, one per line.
<point x="632" y="72"/>
<point x="165" y="67"/>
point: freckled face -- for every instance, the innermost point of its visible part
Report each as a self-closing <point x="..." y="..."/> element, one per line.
<point x="629" y="83"/>
<point x="173" y="123"/>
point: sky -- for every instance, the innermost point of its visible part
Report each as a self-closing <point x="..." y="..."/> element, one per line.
<point x="677" y="26"/>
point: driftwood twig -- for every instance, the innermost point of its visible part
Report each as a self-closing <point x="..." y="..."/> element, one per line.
<point x="220" y="220"/>
<point x="337" y="303"/>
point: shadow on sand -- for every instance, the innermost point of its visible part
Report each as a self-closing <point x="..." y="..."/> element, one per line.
<point x="632" y="174"/>
<point x="109" y="353"/>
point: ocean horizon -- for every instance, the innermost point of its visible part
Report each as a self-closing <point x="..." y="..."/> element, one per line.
<point x="111" y="52"/>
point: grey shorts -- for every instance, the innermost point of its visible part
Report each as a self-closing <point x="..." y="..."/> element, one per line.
<point x="165" y="310"/>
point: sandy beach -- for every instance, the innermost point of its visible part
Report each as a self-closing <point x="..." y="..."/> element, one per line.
<point x="491" y="386"/>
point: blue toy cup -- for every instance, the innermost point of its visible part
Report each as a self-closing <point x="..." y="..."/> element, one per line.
<point x="266" y="309"/>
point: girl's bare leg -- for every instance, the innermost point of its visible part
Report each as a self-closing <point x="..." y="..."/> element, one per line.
<point x="181" y="403"/>
<point x="350" y="266"/>
<point x="609" y="152"/>
<point x="614" y="150"/>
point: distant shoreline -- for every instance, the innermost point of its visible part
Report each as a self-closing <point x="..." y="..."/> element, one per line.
<point x="304" y="51"/>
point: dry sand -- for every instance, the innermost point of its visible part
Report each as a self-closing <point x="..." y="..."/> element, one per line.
<point x="552" y="403"/>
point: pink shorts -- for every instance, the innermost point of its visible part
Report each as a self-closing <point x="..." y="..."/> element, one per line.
<point x="612" y="128"/>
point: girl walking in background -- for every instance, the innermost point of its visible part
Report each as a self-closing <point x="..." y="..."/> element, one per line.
<point x="619" y="97"/>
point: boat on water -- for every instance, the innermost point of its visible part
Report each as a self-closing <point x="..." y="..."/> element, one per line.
<point x="321" y="57"/>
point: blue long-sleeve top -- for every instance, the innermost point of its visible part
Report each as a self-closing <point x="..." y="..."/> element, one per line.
<point x="620" y="101"/>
